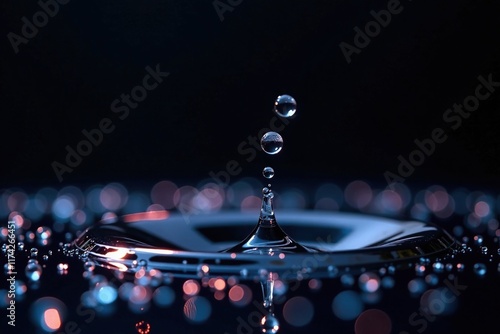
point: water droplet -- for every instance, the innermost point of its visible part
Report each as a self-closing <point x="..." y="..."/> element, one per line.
<point x="285" y="106"/>
<point x="480" y="269"/>
<point x="45" y="257"/>
<point x="484" y="250"/>
<point x="34" y="252"/>
<point x="270" y="324"/>
<point x="267" y="284"/>
<point x="268" y="172"/>
<point x="20" y="246"/>
<point x="271" y="142"/>
<point x="33" y="271"/>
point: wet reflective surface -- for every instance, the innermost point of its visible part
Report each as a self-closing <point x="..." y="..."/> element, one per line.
<point x="332" y="242"/>
<point x="405" y="261"/>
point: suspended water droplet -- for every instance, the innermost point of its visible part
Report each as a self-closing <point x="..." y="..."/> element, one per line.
<point x="484" y="250"/>
<point x="268" y="172"/>
<point x="34" y="252"/>
<point x="285" y="106"/>
<point x="271" y="142"/>
<point x="478" y="239"/>
<point x="33" y="270"/>
<point x="20" y="245"/>
<point x="270" y="324"/>
<point x="45" y="257"/>
<point x="480" y="269"/>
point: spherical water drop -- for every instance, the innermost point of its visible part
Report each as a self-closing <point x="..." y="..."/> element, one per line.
<point x="34" y="252"/>
<point x="270" y="324"/>
<point x="45" y="257"/>
<point x="285" y="106"/>
<point x="271" y="142"/>
<point x="20" y="246"/>
<point x="33" y="271"/>
<point x="268" y="172"/>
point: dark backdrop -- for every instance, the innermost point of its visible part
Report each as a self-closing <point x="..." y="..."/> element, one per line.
<point x="228" y="61"/>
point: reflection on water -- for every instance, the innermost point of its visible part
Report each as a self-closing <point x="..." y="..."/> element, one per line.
<point x="46" y="221"/>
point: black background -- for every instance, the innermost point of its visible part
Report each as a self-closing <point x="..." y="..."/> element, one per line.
<point x="353" y="119"/>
